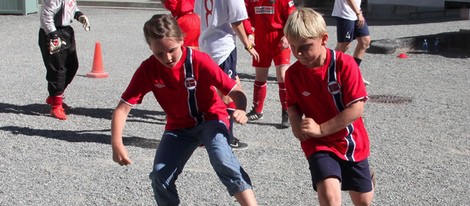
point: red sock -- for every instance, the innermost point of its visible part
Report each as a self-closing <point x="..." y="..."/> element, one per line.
<point x="259" y="95"/>
<point x="282" y="95"/>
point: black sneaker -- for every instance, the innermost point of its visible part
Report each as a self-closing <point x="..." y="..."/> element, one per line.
<point x="253" y="116"/>
<point x="236" y="144"/>
<point x="285" y="120"/>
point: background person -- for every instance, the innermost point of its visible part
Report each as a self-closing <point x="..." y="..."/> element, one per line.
<point x="58" y="49"/>
<point x="351" y="25"/>
<point x="268" y="19"/>
<point x="221" y="23"/>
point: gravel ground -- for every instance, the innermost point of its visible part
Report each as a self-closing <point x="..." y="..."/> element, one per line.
<point x="420" y="148"/>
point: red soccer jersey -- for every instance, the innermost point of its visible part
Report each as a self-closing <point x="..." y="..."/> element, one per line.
<point x="269" y="15"/>
<point x="309" y="89"/>
<point x="179" y="7"/>
<point x="171" y="89"/>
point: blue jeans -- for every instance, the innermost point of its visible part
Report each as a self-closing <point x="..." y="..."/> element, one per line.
<point x="177" y="146"/>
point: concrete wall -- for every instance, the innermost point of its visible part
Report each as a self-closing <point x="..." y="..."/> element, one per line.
<point x="417" y="3"/>
<point x="409" y="9"/>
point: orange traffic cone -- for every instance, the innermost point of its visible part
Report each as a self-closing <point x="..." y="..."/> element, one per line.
<point x="97" y="71"/>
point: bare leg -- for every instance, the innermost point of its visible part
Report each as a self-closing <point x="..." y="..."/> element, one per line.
<point x="342" y="46"/>
<point x="361" y="198"/>
<point x="281" y="72"/>
<point x="361" y="47"/>
<point x="329" y="192"/>
<point x="246" y="198"/>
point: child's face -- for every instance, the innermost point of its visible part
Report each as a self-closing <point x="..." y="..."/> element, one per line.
<point x="167" y="50"/>
<point x="310" y="52"/>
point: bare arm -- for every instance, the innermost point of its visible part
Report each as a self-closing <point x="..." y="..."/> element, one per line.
<point x="357" y="10"/>
<point x="120" y="154"/>
<point x="295" y="118"/>
<point x="340" y="121"/>
<point x="240" y="31"/>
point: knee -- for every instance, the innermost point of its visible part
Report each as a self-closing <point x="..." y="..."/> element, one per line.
<point x="364" y="42"/>
<point x="156" y="179"/>
<point x="343" y="47"/>
<point x="329" y="198"/>
<point x="329" y="192"/>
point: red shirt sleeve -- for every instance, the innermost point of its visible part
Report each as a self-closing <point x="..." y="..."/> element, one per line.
<point x="179" y="7"/>
<point x="248" y="28"/>
<point x="139" y="85"/>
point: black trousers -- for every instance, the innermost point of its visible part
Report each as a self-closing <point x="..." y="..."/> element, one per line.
<point x="61" y="66"/>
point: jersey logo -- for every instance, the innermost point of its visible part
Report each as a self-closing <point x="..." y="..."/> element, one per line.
<point x="305" y="93"/>
<point x="158" y="85"/>
<point x="334" y="87"/>
<point x="291" y="3"/>
<point x="264" y="10"/>
<point x="190" y="83"/>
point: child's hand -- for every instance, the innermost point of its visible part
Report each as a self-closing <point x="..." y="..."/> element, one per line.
<point x="239" y="116"/>
<point x="120" y="155"/>
<point x="309" y="127"/>
<point x="284" y="43"/>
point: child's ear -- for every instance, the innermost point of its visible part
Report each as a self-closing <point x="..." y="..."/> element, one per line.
<point x="324" y="39"/>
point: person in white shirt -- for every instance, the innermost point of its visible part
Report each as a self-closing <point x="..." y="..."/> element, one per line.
<point x="221" y="23"/>
<point x="351" y="25"/>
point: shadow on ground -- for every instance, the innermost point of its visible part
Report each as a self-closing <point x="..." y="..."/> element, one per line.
<point x="90" y="136"/>
<point x="136" y="115"/>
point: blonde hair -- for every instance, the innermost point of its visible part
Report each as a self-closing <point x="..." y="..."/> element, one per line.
<point x="305" y="23"/>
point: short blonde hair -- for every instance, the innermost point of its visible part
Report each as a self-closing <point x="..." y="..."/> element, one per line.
<point x="305" y="23"/>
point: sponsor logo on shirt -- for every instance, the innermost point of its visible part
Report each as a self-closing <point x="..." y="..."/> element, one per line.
<point x="305" y="93"/>
<point x="334" y="87"/>
<point x="159" y="85"/>
<point x="291" y="3"/>
<point x="264" y="10"/>
<point x="190" y="83"/>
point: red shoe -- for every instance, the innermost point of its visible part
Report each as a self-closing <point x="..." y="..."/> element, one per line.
<point x="58" y="113"/>
<point x="65" y="106"/>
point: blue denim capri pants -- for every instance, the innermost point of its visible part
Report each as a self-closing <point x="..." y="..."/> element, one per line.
<point x="177" y="146"/>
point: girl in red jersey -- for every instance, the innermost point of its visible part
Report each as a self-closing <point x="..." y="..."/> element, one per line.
<point x="184" y="83"/>
<point x="325" y="98"/>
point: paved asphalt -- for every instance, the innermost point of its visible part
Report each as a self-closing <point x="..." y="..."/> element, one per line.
<point x="417" y="117"/>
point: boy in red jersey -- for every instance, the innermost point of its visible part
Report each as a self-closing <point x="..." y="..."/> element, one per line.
<point x="184" y="83"/>
<point x="268" y="18"/>
<point x="188" y="21"/>
<point x="325" y="97"/>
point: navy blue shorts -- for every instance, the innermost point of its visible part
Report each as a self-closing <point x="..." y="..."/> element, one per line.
<point x="347" y="30"/>
<point x="352" y="175"/>
<point x="230" y="65"/>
